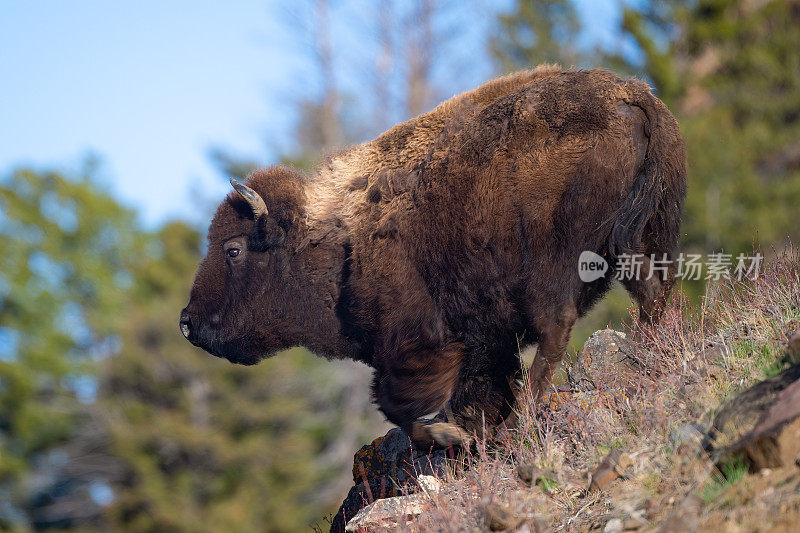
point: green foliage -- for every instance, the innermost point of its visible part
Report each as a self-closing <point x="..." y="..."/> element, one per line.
<point x="731" y="73"/>
<point x="731" y="472"/>
<point x="742" y="350"/>
<point x="67" y="251"/>
<point x="653" y="28"/>
<point x="769" y="361"/>
<point x="548" y="483"/>
<point x="535" y="32"/>
<point x="766" y="358"/>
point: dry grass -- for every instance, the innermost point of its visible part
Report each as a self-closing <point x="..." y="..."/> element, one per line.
<point x="693" y="361"/>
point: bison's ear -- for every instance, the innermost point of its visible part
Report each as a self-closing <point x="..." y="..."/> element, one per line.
<point x="252" y="198"/>
<point x="266" y="234"/>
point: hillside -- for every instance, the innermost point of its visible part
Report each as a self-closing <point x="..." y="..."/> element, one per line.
<point x="690" y="425"/>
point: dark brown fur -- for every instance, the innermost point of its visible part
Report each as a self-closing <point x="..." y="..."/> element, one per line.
<point x="431" y="252"/>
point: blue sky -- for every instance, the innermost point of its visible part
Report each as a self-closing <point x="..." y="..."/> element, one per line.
<point x="151" y="86"/>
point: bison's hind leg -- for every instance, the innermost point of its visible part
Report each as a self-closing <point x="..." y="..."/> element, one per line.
<point x="651" y="286"/>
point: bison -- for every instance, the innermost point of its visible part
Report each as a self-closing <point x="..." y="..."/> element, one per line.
<point x="432" y="252"/>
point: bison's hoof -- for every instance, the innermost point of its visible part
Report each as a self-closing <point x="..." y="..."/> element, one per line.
<point x="444" y="434"/>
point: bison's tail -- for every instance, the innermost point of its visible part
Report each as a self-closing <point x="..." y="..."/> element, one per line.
<point x="649" y="221"/>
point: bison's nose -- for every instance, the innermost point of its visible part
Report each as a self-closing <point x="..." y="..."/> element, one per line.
<point x="185" y="323"/>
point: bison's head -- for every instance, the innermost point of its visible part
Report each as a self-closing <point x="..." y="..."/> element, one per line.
<point x="246" y="300"/>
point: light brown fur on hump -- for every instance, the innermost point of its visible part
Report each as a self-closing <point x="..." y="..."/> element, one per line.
<point x="424" y="128"/>
<point x="337" y="191"/>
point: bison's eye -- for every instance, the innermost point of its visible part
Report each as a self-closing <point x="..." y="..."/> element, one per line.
<point x="233" y="252"/>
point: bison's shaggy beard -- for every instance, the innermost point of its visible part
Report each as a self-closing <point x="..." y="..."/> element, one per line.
<point x="238" y="352"/>
<point x="241" y="350"/>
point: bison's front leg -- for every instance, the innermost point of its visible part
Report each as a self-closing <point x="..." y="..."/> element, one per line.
<point x="553" y="327"/>
<point x="485" y="396"/>
<point x="416" y="380"/>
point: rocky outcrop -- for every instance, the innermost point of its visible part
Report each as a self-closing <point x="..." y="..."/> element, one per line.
<point x="608" y="361"/>
<point x="607" y="373"/>
<point x="743" y="412"/>
<point x="388" y="467"/>
<point x="762" y="423"/>
<point x="774" y="441"/>
<point x="390" y="513"/>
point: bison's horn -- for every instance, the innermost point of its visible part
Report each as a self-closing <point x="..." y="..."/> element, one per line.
<point x="251" y="197"/>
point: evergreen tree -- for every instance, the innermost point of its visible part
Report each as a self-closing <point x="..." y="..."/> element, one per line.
<point x="731" y="72"/>
<point x="65" y="264"/>
<point x="535" y="32"/>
